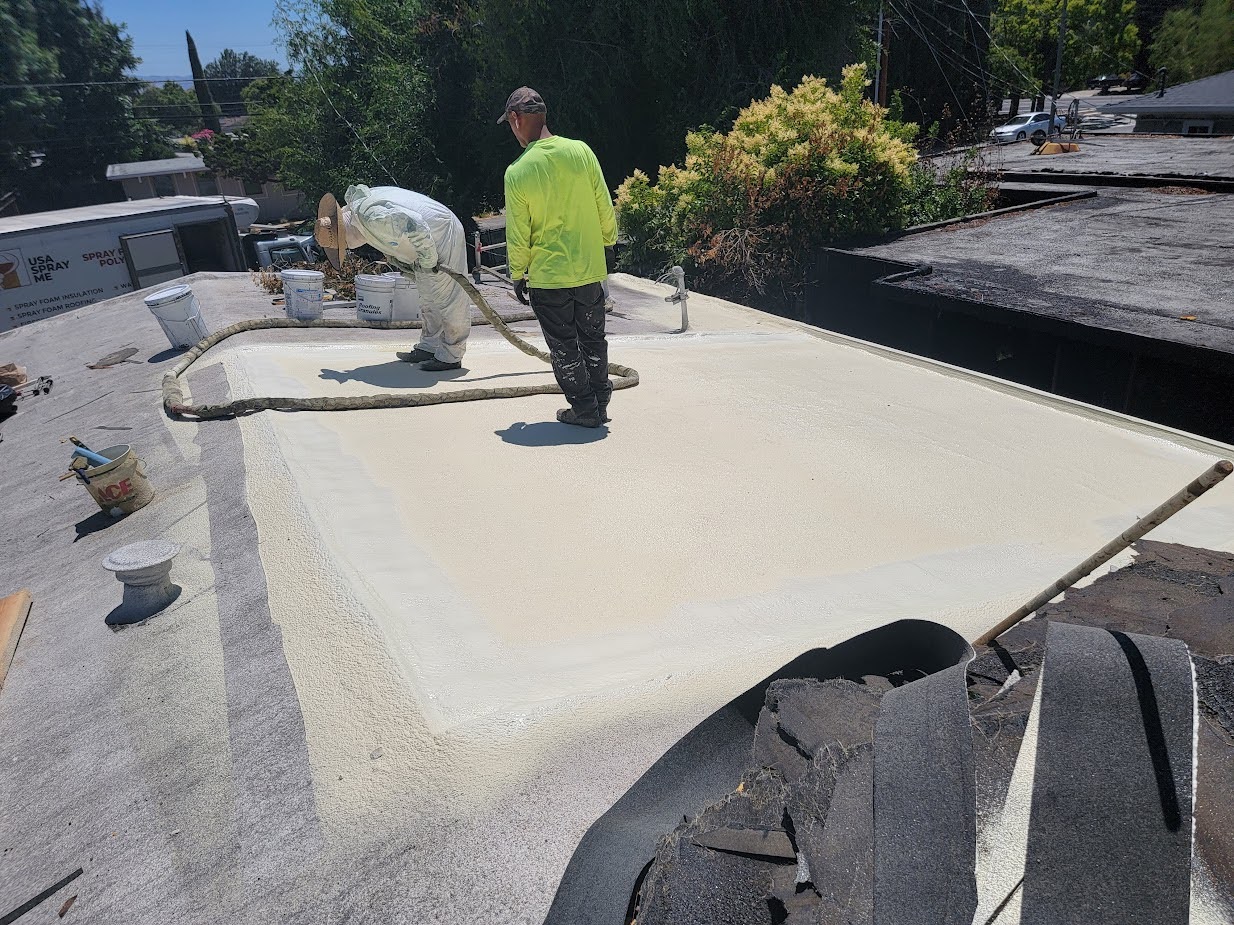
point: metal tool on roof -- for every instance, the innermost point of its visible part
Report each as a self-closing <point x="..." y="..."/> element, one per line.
<point x="10" y="395"/>
<point x="678" y="277"/>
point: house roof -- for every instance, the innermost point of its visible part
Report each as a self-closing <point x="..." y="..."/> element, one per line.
<point x="181" y="163"/>
<point x="1208" y="95"/>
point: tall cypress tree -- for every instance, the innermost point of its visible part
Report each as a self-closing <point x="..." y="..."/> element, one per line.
<point x="209" y="109"/>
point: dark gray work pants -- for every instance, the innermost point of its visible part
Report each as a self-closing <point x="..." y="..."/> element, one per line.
<point x="572" y="320"/>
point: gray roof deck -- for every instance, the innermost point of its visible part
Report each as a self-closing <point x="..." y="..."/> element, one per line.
<point x="181" y="163"/>
<point x="1129" y="260"/>
<point x="1124" y="155"/>
<point x="1207" y="95"/>
<point x="417" y="653"/>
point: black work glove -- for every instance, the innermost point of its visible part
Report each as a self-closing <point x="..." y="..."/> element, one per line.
<point x="610" y="258"/>
<point x="520" y="291"/>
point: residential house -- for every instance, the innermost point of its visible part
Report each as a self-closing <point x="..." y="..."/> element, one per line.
<point x="1198" y="107"/>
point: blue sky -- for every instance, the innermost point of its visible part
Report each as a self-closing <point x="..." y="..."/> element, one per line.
<point x="157" y="28"/>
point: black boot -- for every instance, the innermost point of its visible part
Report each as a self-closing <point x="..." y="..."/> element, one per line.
<point x="579" y="419"/>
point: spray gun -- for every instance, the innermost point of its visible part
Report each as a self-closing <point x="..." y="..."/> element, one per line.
<point x="678" y="277"/>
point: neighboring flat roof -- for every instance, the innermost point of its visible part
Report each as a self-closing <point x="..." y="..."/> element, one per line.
<point x="418" y="652"/>
<point x="1207" y="96"/>
<point x="1127" y="259"/>
<point x="181" y="163"/>
<point x="1124" y="155"/>
<point x="37" y="220"/>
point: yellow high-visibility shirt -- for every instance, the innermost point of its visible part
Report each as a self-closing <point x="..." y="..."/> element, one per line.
<point x="559" y="215"/>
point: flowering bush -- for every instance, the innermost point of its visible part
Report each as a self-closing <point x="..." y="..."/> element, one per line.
<point x="799" y="170"/>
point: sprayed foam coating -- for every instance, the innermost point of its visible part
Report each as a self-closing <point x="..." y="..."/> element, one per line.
<point x="173" y="395"/>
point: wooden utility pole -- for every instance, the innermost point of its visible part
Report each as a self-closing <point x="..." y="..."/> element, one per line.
<point x="880" y="72"/>
<point x="1058" y="68"/>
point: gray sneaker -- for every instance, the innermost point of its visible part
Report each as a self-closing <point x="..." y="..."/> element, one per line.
<point x="414" y="356"/>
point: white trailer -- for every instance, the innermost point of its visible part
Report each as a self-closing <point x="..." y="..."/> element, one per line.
<point x="52" y="262"/>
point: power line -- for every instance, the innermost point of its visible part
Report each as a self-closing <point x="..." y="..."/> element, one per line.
<point x="982" y="75"/>
<point x="930" y="46"/>
<point x="353" y="129"/>
<point x="1030" y="83"/>
<point x="143" y="80"/>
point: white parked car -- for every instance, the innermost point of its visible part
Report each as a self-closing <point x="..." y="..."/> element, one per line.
<point x="1026" y="126"/>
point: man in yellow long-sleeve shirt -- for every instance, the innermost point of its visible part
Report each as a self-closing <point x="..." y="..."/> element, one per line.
<point x="560" y="233"/>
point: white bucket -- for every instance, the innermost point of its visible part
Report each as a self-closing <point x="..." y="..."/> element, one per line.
<point x="406" y="297"/>
<point x="374" y="298"/>
<point x="302" y="292"/>
<point x="178" y="315"/>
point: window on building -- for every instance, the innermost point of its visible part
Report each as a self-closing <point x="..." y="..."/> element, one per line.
<point x="251" y="188"/>
<point x="207" y="185"/>
<point x="1198" y="127"/>
<point x="164" y="186"/>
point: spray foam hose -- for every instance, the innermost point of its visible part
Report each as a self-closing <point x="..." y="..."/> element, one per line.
<point x="624" y="377"/>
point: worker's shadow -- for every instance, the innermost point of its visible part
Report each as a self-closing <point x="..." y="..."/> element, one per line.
<point x="550" y="433"/>
<point x="392" y="375"/>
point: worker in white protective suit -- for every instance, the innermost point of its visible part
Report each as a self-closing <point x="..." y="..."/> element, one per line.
<point x="417" y="234"/>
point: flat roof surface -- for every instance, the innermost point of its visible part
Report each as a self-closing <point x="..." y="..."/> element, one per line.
<point x="1128" y="154"/>
<point x="35" y="221"/>
<point x="181" y="163"/>
<point x="417" y="652"/>
<point x="1213" y="94"/>
<point x="1126" y="259"/>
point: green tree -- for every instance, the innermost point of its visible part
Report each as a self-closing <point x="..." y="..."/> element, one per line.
<point x="209" y="109"/>
<point x="1101" y="38"/>
<point x="231" y="72"/>
<point x="171" y="106"/>
<point x="67" y="107"/>
<point x="26" y="108"/>
<point x="1195" y="41"/>
<point x="386" y="91"/>
<point x="249" y="155"/>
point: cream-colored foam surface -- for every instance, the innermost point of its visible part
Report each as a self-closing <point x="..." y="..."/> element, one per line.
<point x="757" y="495"/>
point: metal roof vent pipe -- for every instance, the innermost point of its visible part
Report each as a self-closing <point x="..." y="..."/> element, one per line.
<point x="1160" y="82"/>
<point x="678" y="277"/>
<point x="145" y="571"/>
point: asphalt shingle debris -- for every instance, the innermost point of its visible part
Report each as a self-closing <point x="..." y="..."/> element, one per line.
<point x="1120" y="688"/>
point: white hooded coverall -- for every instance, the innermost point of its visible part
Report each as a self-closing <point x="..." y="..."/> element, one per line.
<point x="418" y="233"/>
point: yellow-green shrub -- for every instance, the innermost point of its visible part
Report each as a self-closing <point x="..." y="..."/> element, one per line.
<point x="798" y="170"/>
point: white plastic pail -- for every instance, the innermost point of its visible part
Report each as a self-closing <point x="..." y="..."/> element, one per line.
<point x="374" y="298"/>
<point x="178" y="315"/>
<point x="302" y="291"/>
<point x="406" y="297"/>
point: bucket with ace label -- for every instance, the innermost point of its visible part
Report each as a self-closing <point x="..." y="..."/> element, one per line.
<point x="120" y="486"/>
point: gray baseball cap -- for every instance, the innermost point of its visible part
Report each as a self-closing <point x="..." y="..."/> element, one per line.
<point x="524" y="99"/>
